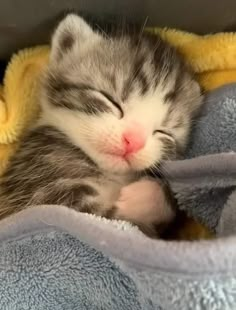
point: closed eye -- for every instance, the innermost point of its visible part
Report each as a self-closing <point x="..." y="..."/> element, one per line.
<point x="115" y="104"/>
<point x="164" y="132"/>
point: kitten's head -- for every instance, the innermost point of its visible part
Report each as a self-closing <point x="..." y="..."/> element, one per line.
<point x="127" y="101"/>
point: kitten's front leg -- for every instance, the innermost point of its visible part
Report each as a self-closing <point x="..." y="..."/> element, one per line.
<point x="147" y="204"/>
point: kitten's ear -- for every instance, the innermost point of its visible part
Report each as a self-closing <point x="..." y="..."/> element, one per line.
<point x="72" y="31"/>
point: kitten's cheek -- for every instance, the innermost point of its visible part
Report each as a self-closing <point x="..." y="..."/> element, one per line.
<point x="142" y="161"/>
<point x="144" y="202"/>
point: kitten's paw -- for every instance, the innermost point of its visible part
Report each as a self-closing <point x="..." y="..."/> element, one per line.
<point x="145" y="204"/>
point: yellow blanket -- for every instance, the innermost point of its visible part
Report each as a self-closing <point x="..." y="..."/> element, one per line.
<point x="212" y="57"/>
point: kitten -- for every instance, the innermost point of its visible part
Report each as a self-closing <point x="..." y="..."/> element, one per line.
<point x="112" y="109"/>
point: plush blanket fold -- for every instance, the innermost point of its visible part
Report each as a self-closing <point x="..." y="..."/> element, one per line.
<point x="55" y="258"/>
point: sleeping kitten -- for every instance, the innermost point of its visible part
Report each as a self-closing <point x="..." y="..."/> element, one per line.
<point x="112" y="109"/>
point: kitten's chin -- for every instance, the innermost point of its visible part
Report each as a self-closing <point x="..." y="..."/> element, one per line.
<point x="115" y="164"/>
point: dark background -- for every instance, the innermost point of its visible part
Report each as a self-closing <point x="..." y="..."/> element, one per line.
<point x="29" y="22"/>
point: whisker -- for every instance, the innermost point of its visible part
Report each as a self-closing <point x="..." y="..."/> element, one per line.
<point x="103" y="32"/>
<point x="142" y="31"/>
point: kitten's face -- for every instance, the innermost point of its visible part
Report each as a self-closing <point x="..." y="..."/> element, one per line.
<point x="127" y="102"/>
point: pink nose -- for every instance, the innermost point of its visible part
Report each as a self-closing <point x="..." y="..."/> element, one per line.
<point x="133" y="141"/>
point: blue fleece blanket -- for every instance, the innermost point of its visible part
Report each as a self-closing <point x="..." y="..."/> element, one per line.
<point x="55" y="258"/>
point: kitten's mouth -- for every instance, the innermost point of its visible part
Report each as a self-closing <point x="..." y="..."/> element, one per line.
<point x="121" y="163"/>
<point x="122" y="157"/>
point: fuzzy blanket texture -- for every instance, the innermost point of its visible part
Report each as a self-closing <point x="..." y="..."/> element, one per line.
<point x="55" y="258"/>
